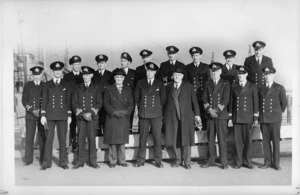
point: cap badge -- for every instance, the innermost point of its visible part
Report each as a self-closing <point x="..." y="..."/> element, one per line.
<point x="194" y="49"/>
<point x="171" y="49"/>
<point x="57" y="65"/>
<point x="86" y="70"/>
<point x="214" y="66"/>
<point x="100" y="56"/>
<point x="267" y="69"/>
<point x="151" y="66"/>
<point x="257" y="44"/>
<point x="125" y="55"/>
<point x="145" y="53"/>
<point x="36" y="69"/>
<point x="242" y="69"/>
<point x="228" y="53"/>
<point x="75" y="58"/>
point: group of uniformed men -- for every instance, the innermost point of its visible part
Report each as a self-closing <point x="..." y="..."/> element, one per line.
<point x="175" y="99"/>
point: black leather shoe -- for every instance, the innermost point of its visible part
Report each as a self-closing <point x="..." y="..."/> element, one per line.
<point x="43" y="168"/>
<point x="95" y="166"/>
<point x="205" y="165"/>
<point x="138" y="164"/>
<point x="249" y="166"/>
<point x="123" y="164"/>
<point x="187" y="166"/>
<point x="264" y="166"/>
<point x="65" y="167"/>
<point x="278" y="168"/>
<point x="26" y="163"/>
<point x="224" y="167"/>
<point x="76" y="166"/>
<point x="112" y="165"/>
<point x="159" y="165"/>
<point x="236" y="166"/>
<point x="176" y="164"/>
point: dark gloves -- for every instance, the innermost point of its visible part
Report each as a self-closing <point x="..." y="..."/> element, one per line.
<point x="119" y="113"/>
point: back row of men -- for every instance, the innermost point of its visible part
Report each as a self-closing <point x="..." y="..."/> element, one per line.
<point x="214" y="96"/>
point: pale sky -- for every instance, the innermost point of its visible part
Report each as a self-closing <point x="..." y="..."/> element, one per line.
<point x="89" y="28"/>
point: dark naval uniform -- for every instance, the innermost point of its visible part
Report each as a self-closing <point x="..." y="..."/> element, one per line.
<point x="217" y="97"/>
<point x="150" y="100"/>
<point x="167" y="68"/>
<point x="31" y="100"/>
<point x="87" y="99"/>
<point x="56" y="107"/>
<point x="230" y="75"/>
<point x="103" y="80"/>
<point x="141" y="72"/>
<point x="74" y="80"/>
<point x="243" y="110"/>
<point x="198" y="76"/>
<point x="272" y="103"/>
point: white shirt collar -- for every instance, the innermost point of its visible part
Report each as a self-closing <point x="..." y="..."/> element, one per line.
<point x="152" y="80"/>
<point x="229" y="66"/>
<point x="37" y="82"/>
<point x="56" y="79"/>
<point x="270" y="84"/>
<point x="88" y="84"/>
<point x="126" y="70"/>
<point x="174" y="62"/>
<point x="216" y="81"/>
<point x="76" y="73"/>
<point x="243" y="83"/>
<point x="102" y="71"/>
<point x="260" y="58"/>
<point x="178" y="84"/>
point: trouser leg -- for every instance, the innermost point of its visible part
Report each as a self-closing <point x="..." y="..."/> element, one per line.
<point x="92" y="142"/>
<point x="266" y="143"/>
<point x="156" y="125"/>
<point x="62" y="128"/>
<point x="144" y="125"/>
<point x="239" y="146"/>
<point x="121" y="153"/>
<point x="42" y="139"/>
<point x="47" y="160"/>
<point x="29" y="140"/>
<point x="112" y="154"/>
<point x="221" y="133"/>
<point x="211" y="135"/>
<point x="275" y="136"/>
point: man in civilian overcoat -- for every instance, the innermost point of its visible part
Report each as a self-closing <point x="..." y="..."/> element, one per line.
<point x="118" y="104"/>
<point x="180" y="113"/>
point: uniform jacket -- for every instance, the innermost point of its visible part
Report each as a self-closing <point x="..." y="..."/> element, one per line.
<point x="272" y="103"/>
<point x="117" y="129"/>
<point x="56" y="100"/>
<point x="104" y="80"/>
<point x="85" y="99"/>
<point x="255" y="70"/>
<point x="189" y="108"/>
<point x="230" y="75"/>
<point x="166" y="70"/>
<point x="150" y="99"/>
<point x="198" y="76"/>
<point x="217" y="97"/>
<point x="70" y="77"/>
<point x="32" y="99"/>
<point x="243" y="106"/>
<point x="130" y="79"/>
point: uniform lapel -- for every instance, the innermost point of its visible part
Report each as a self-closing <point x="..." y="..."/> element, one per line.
<point x="217" y="87"/>
<point x="271" y="90"/>
<point x="245" y="88"/>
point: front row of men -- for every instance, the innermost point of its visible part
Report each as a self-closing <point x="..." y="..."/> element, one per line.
<point x="175" y="106"/>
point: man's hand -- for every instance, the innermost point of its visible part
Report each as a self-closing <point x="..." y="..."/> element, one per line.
<point x="36" y="113"/>
<point x="117" y="114"/>
<point x="254" y="124"/>
<point x="198" y="122"/>
<point x="230" y="124"/>
<point x="87" y="116"/>
<point x="213" y="113"/>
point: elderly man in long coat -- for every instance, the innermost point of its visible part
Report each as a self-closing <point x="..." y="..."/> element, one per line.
<point x="118" y="104"/>
<point x="181" y="111"/>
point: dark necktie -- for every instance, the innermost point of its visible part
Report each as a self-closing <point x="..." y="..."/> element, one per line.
<point x="120" y="89"/>
<point x="149" y="82"/>
<point x="258" y="61"/>
<point x="56" y="83"/>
